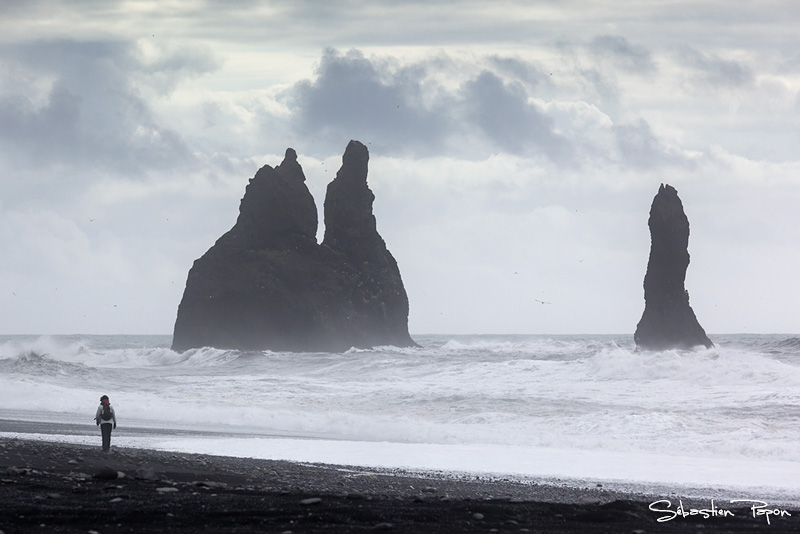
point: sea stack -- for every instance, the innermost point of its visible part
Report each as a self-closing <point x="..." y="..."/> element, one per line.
<point x="668" y="322"/>
<point x="268" y="285"/>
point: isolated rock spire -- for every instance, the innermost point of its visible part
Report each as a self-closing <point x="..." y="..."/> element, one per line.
<point x="668" y="322"/>
<point x="267" y="285"/>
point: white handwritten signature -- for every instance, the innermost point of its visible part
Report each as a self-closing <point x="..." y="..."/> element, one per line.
<point x="757" y="508"/>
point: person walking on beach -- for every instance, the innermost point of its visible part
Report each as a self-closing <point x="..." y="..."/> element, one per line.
<point x="106" y="419"/>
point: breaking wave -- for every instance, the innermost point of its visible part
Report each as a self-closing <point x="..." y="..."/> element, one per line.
<point x="583" y="392"/>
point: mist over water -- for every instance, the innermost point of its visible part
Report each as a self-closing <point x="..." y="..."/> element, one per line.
<point x="739" y="401"/>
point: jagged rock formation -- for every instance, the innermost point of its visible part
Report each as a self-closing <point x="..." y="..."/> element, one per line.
<point x="267" y="285"/>
<point x="668" y="322"/>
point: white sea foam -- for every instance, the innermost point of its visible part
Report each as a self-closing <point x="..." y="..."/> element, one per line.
<point x="738" y="402"/>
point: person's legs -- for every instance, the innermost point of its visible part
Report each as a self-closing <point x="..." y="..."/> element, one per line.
<point x="105" y="428"/>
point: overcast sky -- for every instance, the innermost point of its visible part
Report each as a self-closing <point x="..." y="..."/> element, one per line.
<point x="515" y="148"/>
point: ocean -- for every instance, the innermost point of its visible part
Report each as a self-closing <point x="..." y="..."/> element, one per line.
<point x="556" y="408"/>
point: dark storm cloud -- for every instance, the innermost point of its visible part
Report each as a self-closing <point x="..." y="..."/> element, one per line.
<point x="172" y="65"/>
<point x="626" y="55"/>
<point x="72" y="103"/>
<point x="504" y="115"/>
<point x="642" y="149"/>
<point x="604" y="87"/>
<point x="354" y="97"/>
<point x="521" y="70"/>
<point x="712" y="70"/>
<point x="407" y="111"/>
<point x="792" y="64"/>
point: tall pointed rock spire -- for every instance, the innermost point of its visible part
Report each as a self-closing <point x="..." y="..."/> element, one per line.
<point x="379" y="297"/>
<point x="668" y="322"/>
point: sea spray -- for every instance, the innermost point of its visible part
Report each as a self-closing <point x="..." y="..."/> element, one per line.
<point x="739" y="401"/>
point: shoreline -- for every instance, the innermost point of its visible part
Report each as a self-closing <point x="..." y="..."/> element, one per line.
<point x="76" y="488"/>
<point x="149" y="438"/>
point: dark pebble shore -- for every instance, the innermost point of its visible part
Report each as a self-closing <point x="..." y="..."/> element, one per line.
<point x="53" y="487"/>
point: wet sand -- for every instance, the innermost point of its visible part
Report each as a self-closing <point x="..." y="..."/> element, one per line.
<point x="55" y="487"/>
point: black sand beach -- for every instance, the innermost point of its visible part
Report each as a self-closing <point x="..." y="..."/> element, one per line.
<point x="53" y="487"/>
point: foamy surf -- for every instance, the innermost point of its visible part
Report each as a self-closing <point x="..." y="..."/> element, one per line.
<point x="525" y="405"/>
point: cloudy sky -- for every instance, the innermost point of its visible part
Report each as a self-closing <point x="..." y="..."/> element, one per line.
<point x="515" y="150"/>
